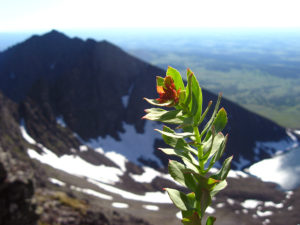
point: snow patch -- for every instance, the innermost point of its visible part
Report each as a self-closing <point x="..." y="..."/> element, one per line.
<point x="264" y="214"/>
<point x="60" y="121"/>
<point x="83" y="148"/>
<point x="230" y="201"/>
<point x="272" y="204"/>
<point x="210" y="210"/>
<point x="149" y="175"/>
<point x="266" y="221"/>
<point x="251" y="203"/>
<point x="213" y="170"/>
<point x="232" y="173"/>
<point x="75" y="165"/>
<point x="57" y="182"/>
<point x="179" y="215"/>
<point x="154" y="197"/>
<point x="272" y="147"/>
<point x="291" y="135"/>
<point x="220" y="205"/>
<point x="245" y="211"/>
<point x="99" y="150"/>
<point x="125" y="98"/>
<point x="92" y="192"/>
<point x="118" y="159"/>
<point x="289" y="194"/>
<point x="151" y="207"/>
<point x="24" y="133"/>
<point x="120" y="205"/>
<point x="280" y="169"/>
<point x="115" y="157"/>
<point x="133" y="145"/>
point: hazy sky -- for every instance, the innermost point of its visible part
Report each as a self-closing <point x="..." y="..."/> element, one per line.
<point x="29" y="15"/>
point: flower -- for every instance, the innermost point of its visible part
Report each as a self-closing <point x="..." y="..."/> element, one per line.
<point x="168" y="92"/>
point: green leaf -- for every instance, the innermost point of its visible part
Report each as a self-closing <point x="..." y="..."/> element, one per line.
<point x="207" y="146"/>
<point x="179" y="174"/>
<point x="223" y="172"/>
<point x="192" y="166"/>
<point x="180" y="200"/>
<point x="220" y="120"/>
<point x="203" y="199"/>
<point x="172" y="151"/>
<point x="188" y="102"/>
<point x="211" y="120"/>
<point x="220" y="186"/>
<point x="187" y="214"/>
<point x="204" y="182"/>
<point x="187" y="125"/>
<point x="196" y="100"/>
<point x="210" y="220"/>
<point x="192" y="220"/>
<point x="157" y="114"/>
<point x="212" y="145"/>
<point x="218" y="154"/>
<point x="188" y="72"/>
<point x="194" y="97"/>
<point x="182" y="96"/>
<point x="220" y="151"/>
<point x="193" y="204"/>
<point x="176" y="78"/>
<point x="174" y="134"/>
<point x="188" y="128"/>
<point x="205" y="112"/>
<point x="171" y="138"/>
<point x="159" y="81"/>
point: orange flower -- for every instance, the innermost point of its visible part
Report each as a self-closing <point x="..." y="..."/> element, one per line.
<point x="168" y="92"/>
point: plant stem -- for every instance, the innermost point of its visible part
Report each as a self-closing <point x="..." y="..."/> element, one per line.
<point x="199" y="147"/>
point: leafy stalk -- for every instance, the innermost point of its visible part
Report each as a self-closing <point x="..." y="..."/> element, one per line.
<point x="199" y="151"/>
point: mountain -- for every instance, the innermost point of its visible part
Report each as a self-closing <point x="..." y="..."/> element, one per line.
<point x="97" y="89"/>
<point x="73" y="145"/>
<point x="92" y="187"/>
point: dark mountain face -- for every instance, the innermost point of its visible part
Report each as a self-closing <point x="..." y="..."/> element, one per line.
<point x="84" y="82"/>
<point x="34" y="59"/>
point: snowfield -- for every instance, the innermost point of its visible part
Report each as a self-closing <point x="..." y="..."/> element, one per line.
<point x="282" y="169"/>
<point x="133" y="145"/>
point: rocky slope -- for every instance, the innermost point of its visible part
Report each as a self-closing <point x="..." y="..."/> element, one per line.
<point x="25" y="195"/>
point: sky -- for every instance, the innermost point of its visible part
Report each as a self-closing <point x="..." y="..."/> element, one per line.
<point x="43" y="15"/>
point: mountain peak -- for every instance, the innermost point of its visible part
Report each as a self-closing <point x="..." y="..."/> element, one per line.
<point x="54" y="34"/>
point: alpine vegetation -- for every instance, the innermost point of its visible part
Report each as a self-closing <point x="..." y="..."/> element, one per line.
<point x="198" y="149"/>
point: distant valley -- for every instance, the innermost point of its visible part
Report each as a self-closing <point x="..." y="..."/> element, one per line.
<point x="258" y="69"/>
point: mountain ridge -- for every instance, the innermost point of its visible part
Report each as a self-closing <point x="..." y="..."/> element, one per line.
<point x="97" y="94"/>
<point x="85" y="81"/>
